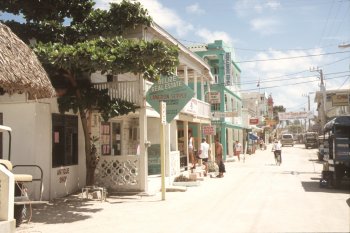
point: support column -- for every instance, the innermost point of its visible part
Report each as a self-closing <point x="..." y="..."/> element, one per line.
<point x="195" y="84"/>
<point x="186" y="75"/>
<point x="202" y="89"/>
<point x="186" y="142"/>
<point x="143" y="138"/>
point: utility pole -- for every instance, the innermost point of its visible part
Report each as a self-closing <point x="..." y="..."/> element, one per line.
<point x="308" y="107"/>
<point x="323" y="92"/>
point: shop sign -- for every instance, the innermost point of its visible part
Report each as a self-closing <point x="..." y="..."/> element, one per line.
<point x="209" y="130"/>
<point x="294" y="115"/>
<point x="253" y="121"/>
<point x="171" y="90"/>
<point x="340" y="99"/>
<point x="225" y="114"/>
<point x="214" y="97"/>
<point x="191" y="107"/>
<point x="270" y="122"/>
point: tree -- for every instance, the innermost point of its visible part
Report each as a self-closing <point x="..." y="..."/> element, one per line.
<point x="276" y="110"/>
<point x="74" y="40"/>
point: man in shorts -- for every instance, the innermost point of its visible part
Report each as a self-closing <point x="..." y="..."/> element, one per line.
<point x="238" y="149"/>
<point x="219" y="159"/>
<point x="204" y="154"/>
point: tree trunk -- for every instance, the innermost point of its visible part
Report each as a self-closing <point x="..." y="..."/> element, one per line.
<point x="89" y="158"/>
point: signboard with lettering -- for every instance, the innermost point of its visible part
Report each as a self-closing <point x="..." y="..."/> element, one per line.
<point x="227" y="69"/>
<point x="171" y="90"/>
<point x="294" y="115"/>
<point x="225" y="114"/>
<point x="340" y="99"/>
<point x="214" y="97"/>
<point x="209" y="130"/>
<point x="270" y="122"/>
<point x="253" y="121"/>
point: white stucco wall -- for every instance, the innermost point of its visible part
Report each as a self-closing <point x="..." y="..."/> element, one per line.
<point x="31" y="125"/>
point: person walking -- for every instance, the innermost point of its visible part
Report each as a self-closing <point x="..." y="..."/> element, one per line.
<point x="238" y="149"/>
<point x="204" y="154"/>
<point x="219" y="159"/>
<point x="190" y="150"/>
<point x="276" y="148"/>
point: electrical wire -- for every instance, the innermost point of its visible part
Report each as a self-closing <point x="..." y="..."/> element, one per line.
<point x="244" y="90"/>
<point x="344" y="82"/>
<point x="300" y="72"/>
<point x="287" y="58"/>
<point x="278" y="80"/>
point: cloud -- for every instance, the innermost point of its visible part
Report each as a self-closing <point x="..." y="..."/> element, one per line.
<point x="195" y="9"/>
<point x="246" y="7"/>
<point x="104" y="4"/>
<point x="209" y="36"/>
<point x="165" y="17"/>
<point x="264" y="26"/>
<point x="278" y="74"/>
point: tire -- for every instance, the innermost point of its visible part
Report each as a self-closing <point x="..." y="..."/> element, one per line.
<point x="19" y="213"/>
<point x="338" y="176"/>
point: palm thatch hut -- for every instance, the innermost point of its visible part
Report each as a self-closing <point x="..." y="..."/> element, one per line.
<point x="20" y="69"/>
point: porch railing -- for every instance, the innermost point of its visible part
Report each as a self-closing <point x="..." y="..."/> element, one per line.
<point x="130" y="91"/>
<point x="119" y="173"/>
<point x="125" y="90"/>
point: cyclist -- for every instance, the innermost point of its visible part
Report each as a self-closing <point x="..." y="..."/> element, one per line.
<point x="276" y="148"/>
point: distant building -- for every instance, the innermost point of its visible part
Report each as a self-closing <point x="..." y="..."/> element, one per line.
<point x="332" y="103"/>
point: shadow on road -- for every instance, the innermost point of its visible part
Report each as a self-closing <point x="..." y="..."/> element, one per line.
<point x="67" y="210"/>
<point x="316" y="161"/>
<point x="314" y="186"/>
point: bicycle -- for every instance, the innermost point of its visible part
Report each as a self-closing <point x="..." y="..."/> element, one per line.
<point x="278" y="157"/>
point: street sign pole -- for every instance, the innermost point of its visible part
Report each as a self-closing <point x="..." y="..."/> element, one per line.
<point x="162" y="108"/>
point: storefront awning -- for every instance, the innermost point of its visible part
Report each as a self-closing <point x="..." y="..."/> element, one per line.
<point x="255" y="128"/>
<point x="253" y="137"/>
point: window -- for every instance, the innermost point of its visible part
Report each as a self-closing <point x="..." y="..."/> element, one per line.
<point x="215" y="107"/>
<point x="64" y="140"/>
<point x="116" y="138"/>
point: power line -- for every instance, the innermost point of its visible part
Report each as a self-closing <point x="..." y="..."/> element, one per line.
<point x="198" y="43"/>
<point x="278" y="80"/>
<point x="290" y="84"/>
<point x="344" y="82"/>
<point x="287" y="58"/>
<point x="303" y="71"/>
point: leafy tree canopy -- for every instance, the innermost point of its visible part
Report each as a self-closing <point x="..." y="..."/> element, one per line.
<point x="74" y="40"/>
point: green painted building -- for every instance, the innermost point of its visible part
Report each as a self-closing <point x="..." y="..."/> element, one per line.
<point x="224" y="93"/>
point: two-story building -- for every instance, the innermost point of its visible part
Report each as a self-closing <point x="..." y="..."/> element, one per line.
<point x="331" y="103"/>
<point x="128" y="146"/>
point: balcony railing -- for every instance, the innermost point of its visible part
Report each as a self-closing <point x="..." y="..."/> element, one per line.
<point x="125" y="90"/>
<point x="130" y="91"/>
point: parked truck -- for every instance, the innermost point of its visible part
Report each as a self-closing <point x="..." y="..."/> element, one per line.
<point x="311" y="140"/>
<point x="337" y="156"/>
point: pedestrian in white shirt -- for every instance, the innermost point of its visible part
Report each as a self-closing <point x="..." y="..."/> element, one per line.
<point x="204" y="154"/>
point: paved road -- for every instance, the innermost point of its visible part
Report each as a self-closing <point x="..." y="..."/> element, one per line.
<point x="255" y="196"/>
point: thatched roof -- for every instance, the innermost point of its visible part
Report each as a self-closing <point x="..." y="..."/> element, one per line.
<point x="20" y="70"/>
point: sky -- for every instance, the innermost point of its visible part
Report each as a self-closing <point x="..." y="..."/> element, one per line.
<point x="294" y="36"/>
<point x="279" y="44"/>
